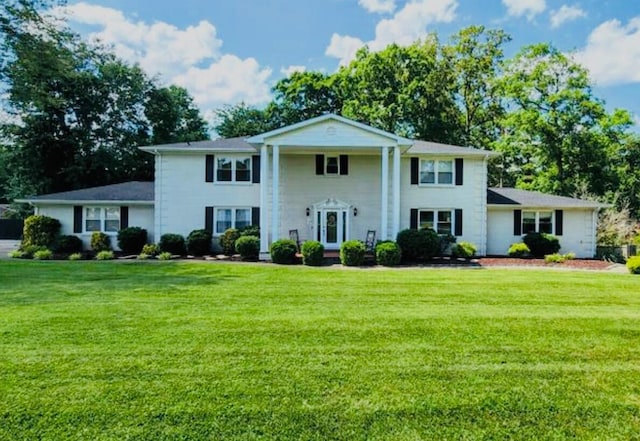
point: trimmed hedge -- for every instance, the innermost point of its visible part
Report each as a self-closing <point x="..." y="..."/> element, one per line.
<point x="68" y="245"/>
<point x="541" y="244"/>
<point x="418" y="244"/>
<point x="518" y="250"/>
<point x="312" y="253"/>
<point x="248" y="247"/>
<point x="132" y="239"/>
<point x="388" y="253"/>
<point x="283" y="251"/>
<point x="352" y="253"/>
<point x="633" y="265"/>
<point x="228" y="241"/>
<point x="465" y="250"/>
<point x="150" y="249"/>
<point x="40" y="230"/>
<point x="199" y="242"/>
<point x="100" y="242"/>
<point x="172" y="244"/>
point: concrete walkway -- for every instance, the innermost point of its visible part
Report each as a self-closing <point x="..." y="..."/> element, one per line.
<point x="6" y="246"/>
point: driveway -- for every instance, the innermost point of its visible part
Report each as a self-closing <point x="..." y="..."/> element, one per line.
<point x="6" y="246"/>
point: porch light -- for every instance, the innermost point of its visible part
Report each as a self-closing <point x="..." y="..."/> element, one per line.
<point x="308" y="211"/>
<point x="355" y="211"/>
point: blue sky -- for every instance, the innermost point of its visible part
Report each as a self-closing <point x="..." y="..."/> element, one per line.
<point x="227" y="51"/>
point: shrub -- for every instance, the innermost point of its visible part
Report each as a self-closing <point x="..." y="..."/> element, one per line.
<point x="541" y="244"/>
<point x="633" y="265"/>
<point x="105" y="255"/>
<point x="143" y="256"/>
<point x="554" y="258"/>
<point x="17" y="254"/>
<point x="150" y="249"/>
<point x="418" y="244"/>
<point x="199" y="242"/>
<point x="445" y="241"/>
<point x="132" y="239"/>
<point x="251" y="230"/>
<point x="100" y="242"/>
<point x="228" y="241"/>
<point x="283" y="251"/>
<point x="43" y="255"/>
<point x="388" y="253"/>
<point x="248" y="247"/>
<point x="570" y="256"/>
<point x="352" y="253"/>
<point x="464" y="249"/>
<point x="29" y="250"/>
<point x="172" y="244"/>
<point x="75" y="256"/>
<point x="312" y="253"/>
<point x="40" y="231"/>
<point x="165" y="255"/>
<point x="68" y="245"/>
<point x="519" y="249"/>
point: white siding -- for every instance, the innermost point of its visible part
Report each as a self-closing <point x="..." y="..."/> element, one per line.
<point x="331" y="134"/>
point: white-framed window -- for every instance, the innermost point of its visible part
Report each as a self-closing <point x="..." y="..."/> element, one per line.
<point x="231" y="217"/>
<point x="436" y="171"/>
<point x="537" y="222"/>
<point x="332" y="165"/>
<point x="105" y="219"/>
<point x="441" y="221"/>
<point x="229" y="169"/>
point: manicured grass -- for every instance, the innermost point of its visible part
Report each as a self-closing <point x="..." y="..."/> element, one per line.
<point x="165" y="350"/>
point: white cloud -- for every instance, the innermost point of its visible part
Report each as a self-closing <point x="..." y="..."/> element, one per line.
<point x="612" y="53"/>
<point x="379" y="6"/>
<point x="565" y="14"/>
<point x="406" y="26"/>
<point x="288" y="71"/>
<point x="530" y="8"/>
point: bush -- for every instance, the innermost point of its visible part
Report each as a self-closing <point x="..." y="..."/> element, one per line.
<point x="633" y="265"/>
<point x="248" y="247"/>
<point x="570" y="256"/>
<point x="164" y="256"/>
<point x="105" y="255"/>
<point x="418" y="244"/>
<point x="465" y="250"/>
<point x="445" y="241"/>
<point x="29" y="250"/>
<point x="43" y="255"/>
<point x="132" y="239"/>
<point x="199" y="242"/>
<point x="172" y="244"/>
<point x="388" y="253"/>
<point x="283" y="251"/>
<point x="251" y="230"/>
<point x="541" y="244"/>
<point x="312" y="253"/>
<point x="100" y="242"/>
<point x="75" y="256"/>
<point x="143" y="256"/>
<point x="40" y="231"/>
<point x="17" y="254"/>
<point x="68" y="245"/>
<point x="519" y="249"/>
<point x="150" y="249"/>
<point x="228" y="241"/>
<point x="352" y="253"/>
<point x="554" y="258"/>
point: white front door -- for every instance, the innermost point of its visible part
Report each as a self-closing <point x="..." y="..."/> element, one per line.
<point x="332" y="227"/>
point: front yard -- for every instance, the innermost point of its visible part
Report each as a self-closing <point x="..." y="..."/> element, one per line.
<point x="193" y="350"/>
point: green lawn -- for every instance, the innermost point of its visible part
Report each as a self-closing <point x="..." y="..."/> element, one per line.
<point x="165" y="350"/>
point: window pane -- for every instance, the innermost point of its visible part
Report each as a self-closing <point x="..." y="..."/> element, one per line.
<point x="545" y="224"/>
<point x="445" y="172"/>
<point x="243" y="218"/>
<point x="332" y="165"/>
<point x="223" y="169"/>
<point x="426" y="220"/>
<point x="427" y="172"/>
<point x="92" y="219"/>
<point x="444" y="222"/>
<point x="112" y="219"/>
<point x="243" y="170"/>
<point x="528" y="222"/>
<point x="223" y="220"/>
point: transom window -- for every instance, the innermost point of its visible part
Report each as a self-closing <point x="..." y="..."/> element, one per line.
<point x="105" y="219"/>
<point x="434" y="171"/>
<point x="233" y="169"/>
<point x="232" y="218"/>
<point x="537" y="222"/>
<point x="441" y="221"/>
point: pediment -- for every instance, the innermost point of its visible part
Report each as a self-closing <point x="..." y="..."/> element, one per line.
<point x="331" y="204"/>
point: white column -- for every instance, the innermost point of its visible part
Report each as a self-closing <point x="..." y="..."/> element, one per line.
<point x="395" y="226"/>
<point x="275" y="198"/>
<point x="384" y="196"/>
<point x="264" y="194"/>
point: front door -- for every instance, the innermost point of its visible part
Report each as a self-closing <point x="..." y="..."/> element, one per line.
<point x="332" y="227"/>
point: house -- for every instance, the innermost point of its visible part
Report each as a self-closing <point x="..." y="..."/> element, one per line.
<point x="331" y="179"/>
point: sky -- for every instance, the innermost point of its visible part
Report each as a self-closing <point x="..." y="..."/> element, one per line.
<point x="230" y="51"/>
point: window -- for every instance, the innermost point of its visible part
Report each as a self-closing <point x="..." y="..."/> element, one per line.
<point x="232" y="218"/>
<point x="333" y="165"/>
<point x="441" y="221"/>
<point x="537" y="222"/>
<point x="106" y="219"/>
<point x="436" y="171"/>
<point x="233" y="170"/>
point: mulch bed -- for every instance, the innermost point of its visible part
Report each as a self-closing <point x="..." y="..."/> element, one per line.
<point x="587" y="264"/>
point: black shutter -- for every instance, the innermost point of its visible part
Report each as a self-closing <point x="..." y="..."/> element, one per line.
<point x="124" y="217"/>
<point x="255" y="172"/>
<point x="517" y="222"/>
<point x="413" y="219"/>
<point x="319" y="164"/>
<point x="77" y="219"/>
<point x="458" y="222"/>
<point x="208" y="176"/>
<point x="255" y="216"/>
<point x="415" y="163"/>
<point x="459" y="171"/>
<point x="559" y="219"/>
<point x="208" y="219"/>
<point x="344" y="164"/>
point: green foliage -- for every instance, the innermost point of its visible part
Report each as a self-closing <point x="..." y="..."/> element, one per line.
<point x="29" y="250"/>
<point x="199" y="242"/>
<point x="40" y="230"/>
<point x="465" y="250"/>
<point x="242" y="120"/>
<point x="143" y="256"/>
<point x="633" y="264"/>
<point x="541" y="244"/>
<point x="228" y="241"/>
<point x="132" y="239"/>
<point x="418" y="244"/>
<point x="283" y="251"/>
<point x="445" y="242"/>
<point x="388" y="253"/>
<point x="248" y="247"/>
<point x="519" y="249"/>
<point x="165" y="255"/>
<point x="17" y="254"/>
<point x="172" y="244"/>
<point x="554" y="258"/>
<point x="75" y="256"/>
<point x="100" y="241"/>
<point x="250" y="230"/>
<point x="151" y="249"/>
<point x="43" y="255"/>
<point x="312" y="253"/>
<point x="68" y="244"/>
<point x="105" y="255"/>
<point x="352" y="253"/>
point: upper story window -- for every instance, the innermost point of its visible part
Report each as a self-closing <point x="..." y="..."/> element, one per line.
<point x="104" y="219"/>
<point x="537" y="222"/>
<point x="441" y="221"/>
<point x="333" y="165"/>
<point x="233" y="169"/>
<point x="436" y="171"/>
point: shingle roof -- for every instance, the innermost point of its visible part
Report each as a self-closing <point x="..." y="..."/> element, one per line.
<point x="427" y="147"/>
<point x="134" y="191"/>
<point x="514" y="196"/>
<point x="221" y="144"/>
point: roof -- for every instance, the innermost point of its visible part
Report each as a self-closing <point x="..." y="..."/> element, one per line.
<point x="424" y="147"/>
<point x="133" y="191"/>
<point x="239" y="144"/>
<point x="515" y="196"/>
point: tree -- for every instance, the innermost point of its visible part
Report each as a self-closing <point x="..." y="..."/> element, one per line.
<point x="242" y="120"/>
